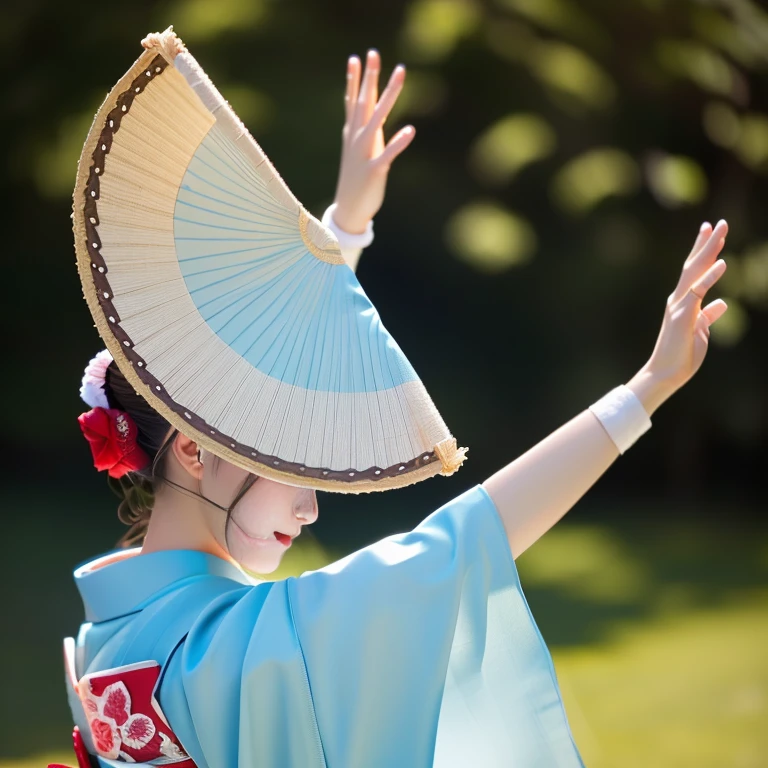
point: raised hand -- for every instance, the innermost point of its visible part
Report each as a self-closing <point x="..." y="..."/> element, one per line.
<point x="578" y="453"/>
<point x="684" y="337"/>
<point x="365" y="158"/>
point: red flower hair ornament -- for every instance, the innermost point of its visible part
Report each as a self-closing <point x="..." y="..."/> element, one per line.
<point x="111" y="433"/>
<point x="112" y="436"/>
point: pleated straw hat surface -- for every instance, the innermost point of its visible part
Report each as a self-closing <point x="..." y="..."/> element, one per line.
<point x="228" y="306"/>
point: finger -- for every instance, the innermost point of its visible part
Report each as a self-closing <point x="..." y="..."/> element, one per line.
<point x="697" y="265"/>
<point x="387" y="100"/>
<point x="369" y="90"/>
<point x="396" y="145"/>
<point x="704" y="232"/>
<point x="714" y="311"/>
<point x="353" y="87"/>
<point x="708" y="252"/>
<point x="697" y="292"/>
<point x="709" y="278"/>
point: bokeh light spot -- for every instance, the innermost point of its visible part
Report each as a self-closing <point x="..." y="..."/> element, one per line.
<point x="747" y="275"/>
<point x="753" y="142"/>
<point x="714" y="27"/>
<point x="56" y="161"/>
<point x="676" y="180"/>
<point x="570" y="71"/>
<point x="754" y="271"/>
<point x="560" y="16"/>
<point x="202" y="20"/>
<point x="701" y="65"/>
<point x="731" y="328"/>
<point x="721" y="124"/>
<point x="587" y="180"/>
<point x="509" y="145"/>
<point x="433" y="28"/>
<point x="490" y="237"/>
<point x="255" y="108"/>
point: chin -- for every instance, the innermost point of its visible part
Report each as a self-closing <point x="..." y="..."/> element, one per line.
<point x="257" y="554"/>
<point x="257" y="564"/>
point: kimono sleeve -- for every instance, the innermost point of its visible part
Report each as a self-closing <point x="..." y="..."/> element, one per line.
<point x="420" y="650"/>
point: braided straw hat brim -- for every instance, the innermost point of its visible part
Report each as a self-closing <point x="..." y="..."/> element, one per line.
<point x="228" y="306"/>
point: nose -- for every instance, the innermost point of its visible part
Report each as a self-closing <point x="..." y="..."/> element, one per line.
<point x="305" y="507"/>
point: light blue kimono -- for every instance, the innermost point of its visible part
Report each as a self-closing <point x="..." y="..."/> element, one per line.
<point x="417" y="651"/>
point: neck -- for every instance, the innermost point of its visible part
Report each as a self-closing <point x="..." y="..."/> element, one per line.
<point x="183" y="521"/>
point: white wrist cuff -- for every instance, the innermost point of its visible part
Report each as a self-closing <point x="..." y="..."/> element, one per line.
<point x="622" y="416"/>
<point x="347" y="240"/>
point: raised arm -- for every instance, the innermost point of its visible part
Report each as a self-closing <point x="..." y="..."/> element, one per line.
<point x="537" y="489"/>
<point x="365" y="158"/>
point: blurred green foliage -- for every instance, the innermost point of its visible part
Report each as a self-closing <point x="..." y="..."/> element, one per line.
<point x="566" y="154"/>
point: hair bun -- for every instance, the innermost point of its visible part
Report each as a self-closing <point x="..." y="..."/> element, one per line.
<point x="153" y="428"/>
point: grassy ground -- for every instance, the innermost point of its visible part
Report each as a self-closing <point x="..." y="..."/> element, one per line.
<point x="659" y="634"/>
<point x="687" y="691"/>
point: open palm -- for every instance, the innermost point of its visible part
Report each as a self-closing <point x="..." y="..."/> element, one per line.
<point x="684" y="337"/>
<point x="365" y="157"/>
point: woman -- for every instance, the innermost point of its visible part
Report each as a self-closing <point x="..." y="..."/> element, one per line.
<point x="417" y="651"/>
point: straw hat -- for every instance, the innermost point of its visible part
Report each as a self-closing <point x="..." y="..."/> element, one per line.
<point x="228" y="306"/>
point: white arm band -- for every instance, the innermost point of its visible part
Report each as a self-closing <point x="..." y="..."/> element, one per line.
<point x="351" y="245"/>
<point x="622" y="416"/>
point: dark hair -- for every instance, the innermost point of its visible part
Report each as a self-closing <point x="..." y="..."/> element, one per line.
<point x="136" y="490"/>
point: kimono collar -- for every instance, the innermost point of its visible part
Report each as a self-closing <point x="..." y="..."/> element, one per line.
<point x="120" y="583"/>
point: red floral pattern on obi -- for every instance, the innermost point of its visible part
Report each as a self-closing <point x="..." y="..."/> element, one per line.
<point x="125" y="719"/>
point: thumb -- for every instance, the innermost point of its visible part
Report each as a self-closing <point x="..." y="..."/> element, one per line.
<point x="714" y="311"/>
<point x="691" y="302"/>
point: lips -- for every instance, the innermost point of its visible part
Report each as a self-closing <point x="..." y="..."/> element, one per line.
<point x="283" y="538"/>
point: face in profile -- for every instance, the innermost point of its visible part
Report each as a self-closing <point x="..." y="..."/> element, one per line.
<point x="264" y="521"/>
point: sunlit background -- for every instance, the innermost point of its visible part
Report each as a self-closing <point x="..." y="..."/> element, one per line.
<point x="566" y="153"/>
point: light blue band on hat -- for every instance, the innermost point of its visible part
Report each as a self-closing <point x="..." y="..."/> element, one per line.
<point x="293" y="317"/>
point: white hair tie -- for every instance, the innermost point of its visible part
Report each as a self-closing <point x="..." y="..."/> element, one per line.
<point x="92" y="389"/>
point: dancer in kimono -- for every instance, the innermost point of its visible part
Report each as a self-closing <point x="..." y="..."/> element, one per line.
<point x="417" y="651"/>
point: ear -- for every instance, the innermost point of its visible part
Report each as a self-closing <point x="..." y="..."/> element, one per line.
<point x="187" y="454"/>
